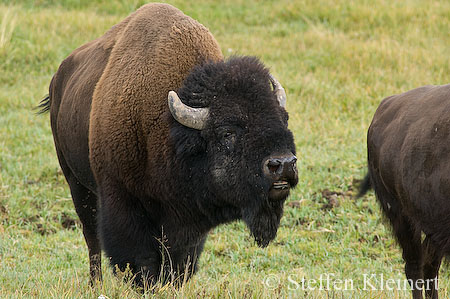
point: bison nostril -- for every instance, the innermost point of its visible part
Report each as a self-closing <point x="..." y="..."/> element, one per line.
<point x="293" y="162"/>
<point x="273" y="165"/>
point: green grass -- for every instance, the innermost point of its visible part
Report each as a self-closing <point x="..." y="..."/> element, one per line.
<point x="337" y="61"/>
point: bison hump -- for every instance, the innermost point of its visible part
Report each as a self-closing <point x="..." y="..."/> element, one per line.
<point x="156" y="47"/>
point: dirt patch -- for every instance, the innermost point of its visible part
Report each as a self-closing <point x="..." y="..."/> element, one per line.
<point x="3" y="210"/>
<point x="3" y="217"/>
<point x="38" y="225"/>
<point x="333" y="199"/>
<point x="43" y="229"/>
<point x="302" y="221"/>
<point x="68" y="222"/>
<point x="295" y="203"/>
<point x="4" y="214"/>
<point x="46" y="227"/>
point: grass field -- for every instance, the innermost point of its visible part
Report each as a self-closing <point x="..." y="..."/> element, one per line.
<point x="337" y="61"/>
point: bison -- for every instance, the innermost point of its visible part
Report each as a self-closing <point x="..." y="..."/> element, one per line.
<point x="161" y="140"/>
<point x="409" y="169"/>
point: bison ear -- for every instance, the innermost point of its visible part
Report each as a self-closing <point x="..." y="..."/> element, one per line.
<point x="190" y="117"/>
<point x="279" y="91"/>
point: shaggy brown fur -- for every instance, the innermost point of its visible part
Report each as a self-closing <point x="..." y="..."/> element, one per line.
<point x="156" y="54"/>
<point x="409" y="168"/>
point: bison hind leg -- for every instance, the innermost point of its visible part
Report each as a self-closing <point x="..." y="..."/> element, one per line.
<point x="406" y="233"/>
<point x="410" y="241"/>
<point x="85" y="205"/>
<point x="85" y="202"/>
<point x="431" y="263"/>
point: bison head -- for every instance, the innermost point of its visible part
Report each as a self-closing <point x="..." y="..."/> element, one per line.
<point x="230" y="131"/>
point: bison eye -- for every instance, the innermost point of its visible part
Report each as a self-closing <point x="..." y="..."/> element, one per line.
<point x="228" y="139"/>
<point x="227" y="134"/>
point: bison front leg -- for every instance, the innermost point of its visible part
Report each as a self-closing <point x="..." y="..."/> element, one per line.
<point x="129" y="236"/>
<point x="183" y="259"/>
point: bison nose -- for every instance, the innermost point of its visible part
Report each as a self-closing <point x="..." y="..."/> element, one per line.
<point x="281" y="167"/>
<point x="281" y="170"/>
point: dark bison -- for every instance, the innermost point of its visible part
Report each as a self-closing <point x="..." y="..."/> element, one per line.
<point x="409" y="168"/>
<point x="151" y="170"/>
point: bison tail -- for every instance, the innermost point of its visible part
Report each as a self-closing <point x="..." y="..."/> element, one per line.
<point x="44" y="105"/>
<point x="365" y="186"/>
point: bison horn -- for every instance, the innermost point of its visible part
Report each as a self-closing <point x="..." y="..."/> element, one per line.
<point x="194" y="118"/>
<point x="279" y="90"/>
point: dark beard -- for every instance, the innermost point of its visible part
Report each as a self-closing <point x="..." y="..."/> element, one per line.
<point x="263" y="220"/>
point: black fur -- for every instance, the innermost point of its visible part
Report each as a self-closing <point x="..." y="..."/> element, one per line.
<point x="408" y="161"/>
